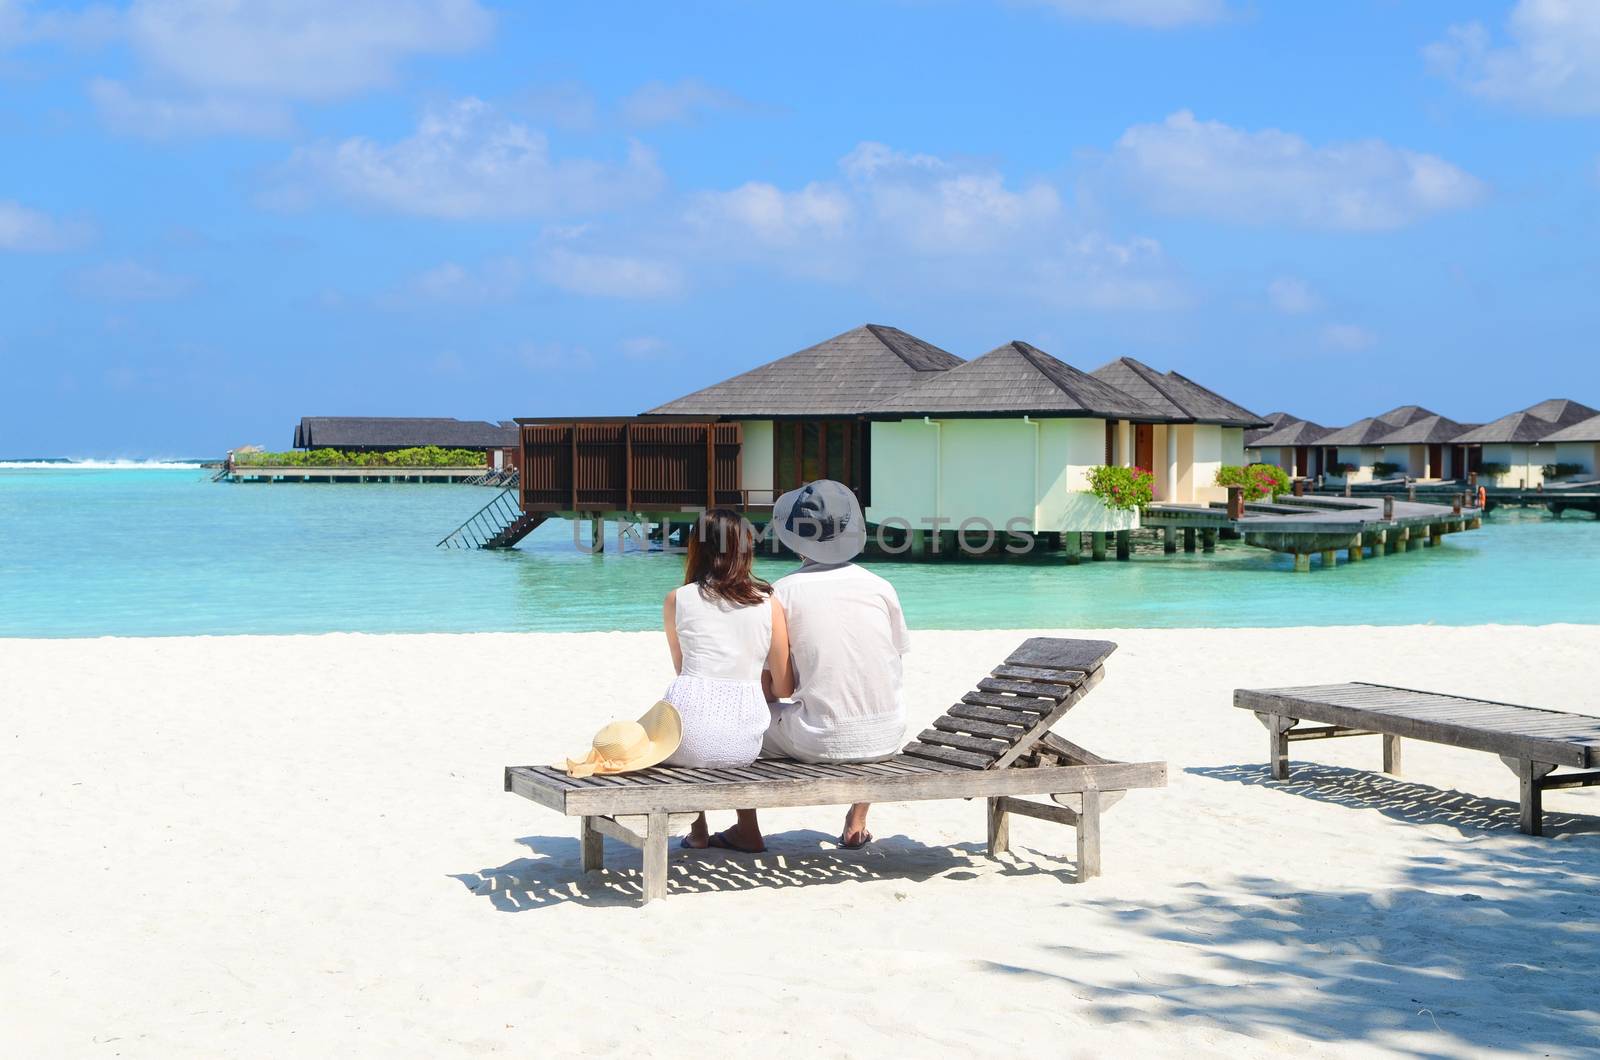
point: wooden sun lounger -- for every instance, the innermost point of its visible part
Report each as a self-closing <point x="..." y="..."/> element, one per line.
<point x="995" y="744"/>
<point x="1531" y="741"/>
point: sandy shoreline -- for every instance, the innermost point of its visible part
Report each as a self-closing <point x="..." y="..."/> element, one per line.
<point x="255" y="846"/>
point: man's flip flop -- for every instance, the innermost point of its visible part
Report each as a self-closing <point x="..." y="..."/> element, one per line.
<point x="862" y="840"/>
<point x="721" y="841"/>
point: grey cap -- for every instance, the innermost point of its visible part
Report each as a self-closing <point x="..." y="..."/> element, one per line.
<point x="821" y="521"/>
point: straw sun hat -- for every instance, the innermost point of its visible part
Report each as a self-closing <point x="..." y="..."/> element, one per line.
<point x="627" y="745"/>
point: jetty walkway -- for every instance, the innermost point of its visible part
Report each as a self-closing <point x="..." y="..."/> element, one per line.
<point x="1315" y="525"/>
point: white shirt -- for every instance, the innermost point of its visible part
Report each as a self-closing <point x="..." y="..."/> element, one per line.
<point x="722" y="640"/>
<point x="846" y="635"/>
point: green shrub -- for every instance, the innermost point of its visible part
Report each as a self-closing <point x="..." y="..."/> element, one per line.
<point x="1257" y="480"/>
<point x="1384" y="468"/>
<point x="1341" y="468"/>
<point x="420" y="456"/>
<point x="1491" y="469"/>
<point x="1122" y="487"/>
<point x="1562" y="470"/>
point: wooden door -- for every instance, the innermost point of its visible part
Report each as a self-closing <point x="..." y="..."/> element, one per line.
<point x="1144" y="445"/>
<point x="1436" y="461"/>
<point x="1302" y="461"/>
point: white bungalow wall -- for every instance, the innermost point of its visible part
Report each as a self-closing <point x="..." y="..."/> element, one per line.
<point x="757" y="477"/>
<point x="991" y="469"/>
<point x="1527" y="463"/>
<point x="1584" y="454"/>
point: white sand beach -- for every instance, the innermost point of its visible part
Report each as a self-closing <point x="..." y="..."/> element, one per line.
<point x="281" y="846"/>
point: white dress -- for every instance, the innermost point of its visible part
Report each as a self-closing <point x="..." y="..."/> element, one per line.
<point x="718" y="692"/>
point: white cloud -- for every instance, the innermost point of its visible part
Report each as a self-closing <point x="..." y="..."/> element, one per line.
<point x="1186" y="166"/>
<point x="1153" y="14"/>
<point x="298" y="49"/>
<point x="938" y="207"/>
<point x="664" y="103"/>
<point x="1293" y="296"/>
<point x="1551" y="62"/>
<point x="464" y="161"/>
<point x="934" y="224"/>
<point x="130" y="281"/>
<point x="24" y="229"/>
<point x="236" y="66"/>
<point x="768" y="215"/>
<point x="1347" y="338"/>
<point x="1097" y="273"/>
<point x="609" y="275"/>
<point x="165" y="118"/>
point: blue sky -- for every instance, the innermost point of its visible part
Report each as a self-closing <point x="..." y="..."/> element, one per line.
<point x="216" y="217"/>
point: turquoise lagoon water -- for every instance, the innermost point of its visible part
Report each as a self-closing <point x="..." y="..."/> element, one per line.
<point x="139" y="552"/>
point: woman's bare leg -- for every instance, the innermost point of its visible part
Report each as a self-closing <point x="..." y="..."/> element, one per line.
<point x="699" y="835"/>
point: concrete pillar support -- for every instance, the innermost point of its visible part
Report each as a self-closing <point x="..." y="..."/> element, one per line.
<point x="1097" y="544"/>
<point x="1072" y="545"/>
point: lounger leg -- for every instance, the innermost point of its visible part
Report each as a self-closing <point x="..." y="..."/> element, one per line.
<point x="1278" y="728"/>
<point x="1089" y="836"/>
<point x="1530" y="793"/>
<point x="655" y="857"/>
<point x="999" y="828"/>
<point x="1391" y="755"/>
<point x="591" y="845"/>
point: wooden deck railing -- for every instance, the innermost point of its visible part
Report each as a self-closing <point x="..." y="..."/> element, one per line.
<point x="627" y="465"/>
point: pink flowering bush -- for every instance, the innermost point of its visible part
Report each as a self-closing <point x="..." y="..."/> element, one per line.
<point x="1259" y="481"/>
<point x="1122" y="487"/>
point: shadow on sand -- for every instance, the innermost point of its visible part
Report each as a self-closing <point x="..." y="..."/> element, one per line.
<point x="792" y="859"/>
<point x="1402" y="799"/>
<point x="1489" y="938"/>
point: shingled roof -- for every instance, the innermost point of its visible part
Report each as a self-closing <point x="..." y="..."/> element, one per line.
<point x="400" y="432"/>
<point x="1015" y="380"/>
<point x="1373" y="428"/>
<point x="1584" y="431"/>
<point x="1296" y="432"/>
<point x="1533" y="424"/>
<point x="1180" y="398"/>
<point x="1429" y="430"/>
<point x="841" y="376"/>
<point x="1274" y="421"/>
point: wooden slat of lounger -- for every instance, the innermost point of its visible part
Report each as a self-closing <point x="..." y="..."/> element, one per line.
<point x="981" y="745"/>
<point x="1042" y="726"/>
<point x="1007" y="733"/>
<point x="1071" y="752"/>
<point x="954" y="783"/>
<point x="1456" y="732"/>
<point x="948" y="755"/>
<point x="1036" y="673"/>
<point x="994" y="715"/>
<point x="924" y="765"/>
<point x="992" y="699"/>
<point x="1054" y="653"/>
<point x="1036" y="689"/>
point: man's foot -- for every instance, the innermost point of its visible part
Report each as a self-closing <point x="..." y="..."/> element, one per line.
<point x="732" y="839"/>
<point x="855" y="834"/>
<point x="855" y="840"/>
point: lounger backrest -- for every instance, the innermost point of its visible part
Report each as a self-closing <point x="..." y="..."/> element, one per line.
<point x="1013" y="708"/>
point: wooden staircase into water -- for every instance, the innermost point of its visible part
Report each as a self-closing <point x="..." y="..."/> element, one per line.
<point x="499" y="524"/>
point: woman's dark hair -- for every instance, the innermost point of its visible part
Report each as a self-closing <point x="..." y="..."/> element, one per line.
<point x="721" y="550"/>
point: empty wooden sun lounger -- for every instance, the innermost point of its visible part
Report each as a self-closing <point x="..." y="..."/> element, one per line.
<point x="1531" y="741"/>
<point x="995" y="744"/>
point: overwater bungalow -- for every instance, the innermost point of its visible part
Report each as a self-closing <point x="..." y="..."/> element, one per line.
<point x="1358" y="448"/>
<point x="918" y="433"/>
<point x="369" y="434"/>
<point x="1516" y="447"/>
<point x="1424" y="448"/>
<point x="1578" y="447"/>
<point x="1200" y="430"/>
<point x="1296" y="447"/>
<point x="1008" y="437"/>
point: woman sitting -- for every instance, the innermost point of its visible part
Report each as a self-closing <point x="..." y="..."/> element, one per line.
<point x="724" y="627"/>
